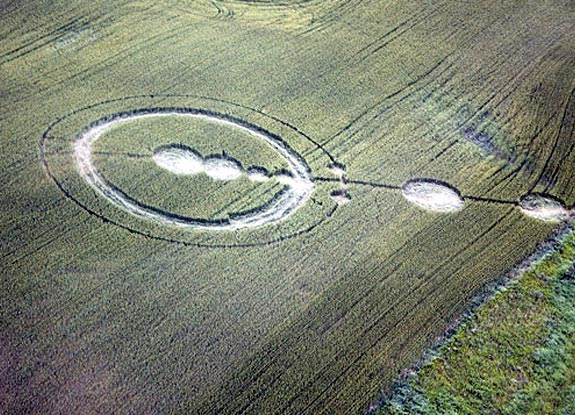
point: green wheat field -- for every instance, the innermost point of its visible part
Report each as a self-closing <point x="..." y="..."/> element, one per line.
<point x="283" y="269"/>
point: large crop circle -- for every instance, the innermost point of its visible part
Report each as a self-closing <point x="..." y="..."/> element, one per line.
<point x="113" y="160"/>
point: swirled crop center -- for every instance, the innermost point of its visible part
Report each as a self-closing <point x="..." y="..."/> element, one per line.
<point x="297" y="190"/>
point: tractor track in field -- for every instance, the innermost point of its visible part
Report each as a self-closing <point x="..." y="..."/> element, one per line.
<point x="272" y="355"/>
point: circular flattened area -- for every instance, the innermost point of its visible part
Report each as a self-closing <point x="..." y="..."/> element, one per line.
<point x="179" y="160"/>
<point x="543" y="207"/>
<point x="222" y="168"/>
<point x="433" y="195"/>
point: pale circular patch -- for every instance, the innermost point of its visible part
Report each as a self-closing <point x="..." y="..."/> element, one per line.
<point x="179" y="160"/>
<point x="337" y="169"/>
<point x="219" y="168"/>
<point x="543" y="207"/>
<point x="432" y="195"/>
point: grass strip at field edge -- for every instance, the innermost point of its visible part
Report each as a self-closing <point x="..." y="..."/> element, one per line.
<point x="514" y="355"/>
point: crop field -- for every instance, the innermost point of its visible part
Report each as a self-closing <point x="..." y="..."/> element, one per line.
<point x="265" y="207"/>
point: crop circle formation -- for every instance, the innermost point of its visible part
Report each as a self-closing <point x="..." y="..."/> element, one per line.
<point x="108" y="158"/>
<point x="179" y="160"/>
<point x="207" y="172"/>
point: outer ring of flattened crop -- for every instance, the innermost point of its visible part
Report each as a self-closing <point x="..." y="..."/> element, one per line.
<point x="48" y="135"/>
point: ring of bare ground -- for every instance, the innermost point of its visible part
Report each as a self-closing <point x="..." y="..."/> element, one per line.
<point x="296" y="193"/>
<point x="54" y="145"/>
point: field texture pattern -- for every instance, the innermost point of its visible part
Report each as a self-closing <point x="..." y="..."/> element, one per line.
<point x="398" y="155"/>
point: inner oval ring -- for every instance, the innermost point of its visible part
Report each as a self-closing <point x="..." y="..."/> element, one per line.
<point x="53" y="136"/>
<point x="290" y="200"/>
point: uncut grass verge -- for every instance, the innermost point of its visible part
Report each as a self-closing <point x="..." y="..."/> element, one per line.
<point x="514" y="355"/>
